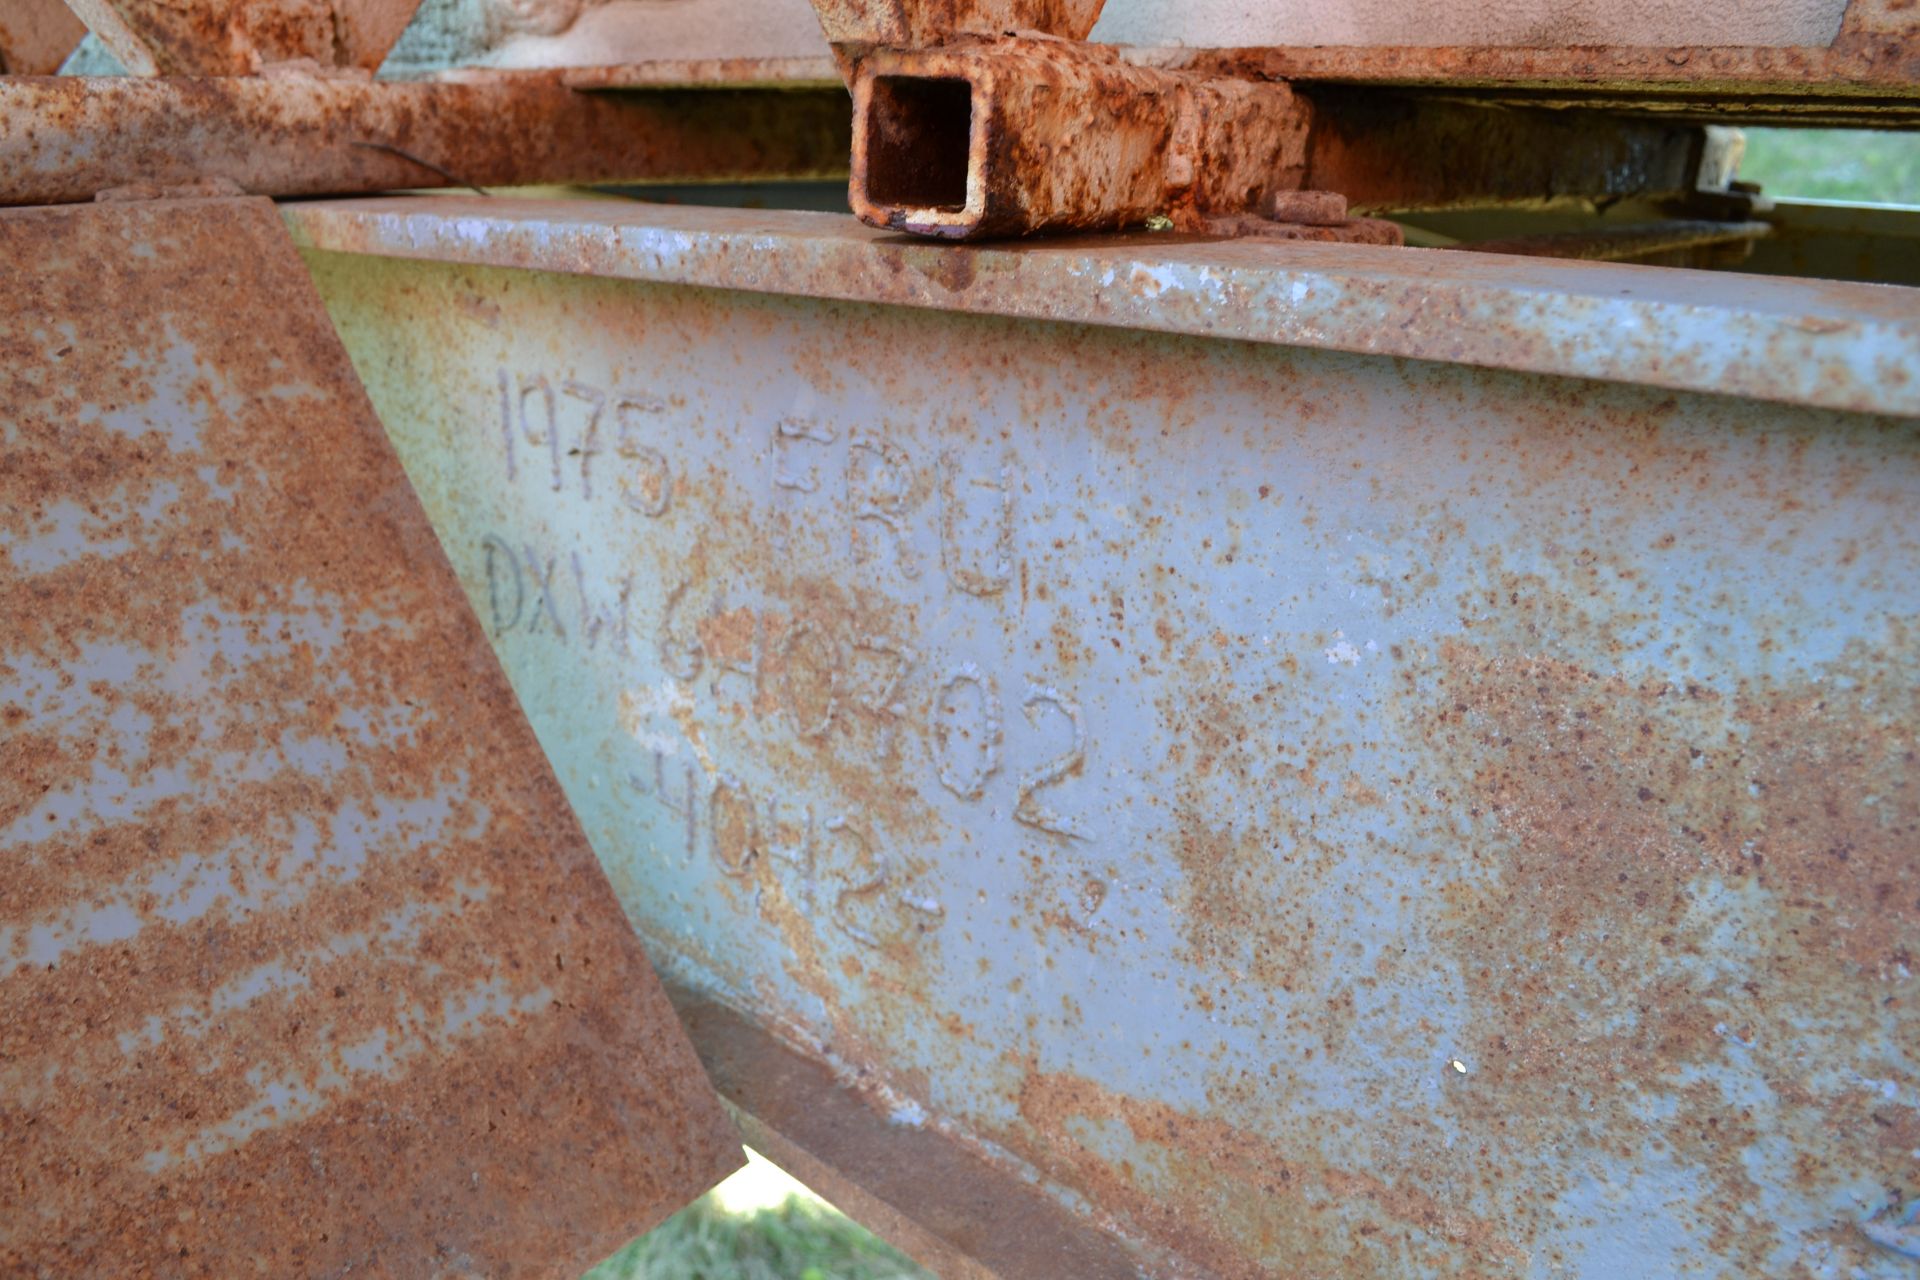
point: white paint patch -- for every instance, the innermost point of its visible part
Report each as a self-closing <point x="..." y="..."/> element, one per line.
<point x="644" y="704"/>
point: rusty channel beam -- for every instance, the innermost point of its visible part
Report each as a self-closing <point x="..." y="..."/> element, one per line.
<point x="1869" y="72"/>
<point x="306" y="967"/>
<point x="1783" y="86"/>
<point x="1779" y="107"/>
<point x="1888" y="67"/>
<point x="1318" y="813"/>
<point x="65" y="139"/>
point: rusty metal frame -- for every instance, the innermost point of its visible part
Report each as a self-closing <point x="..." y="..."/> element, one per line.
<point x="239" y="37"/>
<point x="69" y="138"/>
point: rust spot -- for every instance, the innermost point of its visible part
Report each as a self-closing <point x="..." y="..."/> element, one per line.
<point x="1636" y="829"/>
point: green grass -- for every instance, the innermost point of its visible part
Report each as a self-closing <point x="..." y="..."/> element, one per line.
<point x="797" y="1240"/>
<point x="759" y="1225"/>
<point x="1835" y="164"/>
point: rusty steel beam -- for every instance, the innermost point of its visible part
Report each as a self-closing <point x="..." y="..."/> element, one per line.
<point x="1887" y="64"/>
<point x="306" y="967"/>
<point x="799" y="71"/>
<point x="1869" y="70"/>
<point x="1802" y="58"/>
<point x="67" y="138"/>
<point x="36" y="36"/>
<point x="1386" y="151"/>
<point x="238" y="37"/>
<point x="1010" y="137"/>
<point x="1784" y="86"/>
<point x="1311" y="812"/>
<point x="1872" y="79"/>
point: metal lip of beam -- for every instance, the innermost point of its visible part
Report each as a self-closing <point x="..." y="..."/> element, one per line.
<point x="1835" y="346"/>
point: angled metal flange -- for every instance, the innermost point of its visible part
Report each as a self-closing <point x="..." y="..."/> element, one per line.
<point x="238" y="37"/>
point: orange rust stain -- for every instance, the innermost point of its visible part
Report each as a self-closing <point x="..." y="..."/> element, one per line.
<point x="1626" y="819"/>
<point x="1617" y="796"/>
<point x="1285" y="1211"/>
<point x="1246" y="863"/>
<point x="1360" y="793"/>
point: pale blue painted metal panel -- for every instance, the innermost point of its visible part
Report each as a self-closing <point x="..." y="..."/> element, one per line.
<point x="1326" y="813"/>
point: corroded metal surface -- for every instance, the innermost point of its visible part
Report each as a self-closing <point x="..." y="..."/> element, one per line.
<point x="960" y="1213"/>
<point x="1875" y="78"/>
<point x="238" y="37"/>
<point x="797" y="71"/>
<point x="36" y="36"/>
<point x="1328" y="815"/>
<point x="305" y="966"/>
<point x="1008" y="137"/>
<point x="1833" y="346"/>
<point x="1728" y="59"/>
<point x="913" y="23"/>
<point x="68" y="138"/>
<point x="1733" y="85"/>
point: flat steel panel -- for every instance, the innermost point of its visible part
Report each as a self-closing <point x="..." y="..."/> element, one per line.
<point x="305" y="966"/>
<point x="1323" y="813"/>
